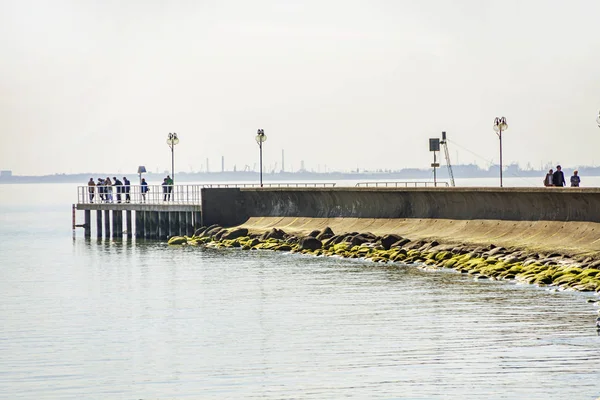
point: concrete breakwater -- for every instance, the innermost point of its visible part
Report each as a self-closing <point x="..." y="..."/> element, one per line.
<point x="539" y="236"/>
<point x="565" y="221"/>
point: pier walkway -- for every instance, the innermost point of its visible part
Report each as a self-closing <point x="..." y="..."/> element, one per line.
<point x="158" y="213"/>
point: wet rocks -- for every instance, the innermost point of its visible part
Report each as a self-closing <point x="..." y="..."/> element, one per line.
<point x="482" y="262"/>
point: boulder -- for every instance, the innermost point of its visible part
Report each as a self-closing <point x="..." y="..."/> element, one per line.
<point x="274" y="233"/>
<point x="400" y="243"/>
<point x="314" y="233"/>
<point x="219" y="234"/>
<point x="325" y="234"/>
<point x="235" y="233"/>
<point x="175" y="240"/>
<point x="309" y="243"/>
<point x="212" y="230"/>
<point x="388" y="240"/>
<point x="359" y="239"/>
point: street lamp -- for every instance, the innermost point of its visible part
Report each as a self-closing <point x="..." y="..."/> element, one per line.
<point x="172" y="140"/>
<point x="500" y="125"/>
<point x="260" y="138"/>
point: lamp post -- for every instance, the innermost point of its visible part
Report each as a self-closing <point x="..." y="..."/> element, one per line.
<point x="500" y="126"/>
<point x="260" y="138"/>
<point x="172" y="140"/>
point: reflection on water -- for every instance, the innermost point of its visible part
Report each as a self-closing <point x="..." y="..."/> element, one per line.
<point x="120" y="319"/>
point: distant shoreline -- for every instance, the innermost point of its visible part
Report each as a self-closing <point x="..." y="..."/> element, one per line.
<point x="459" y="172"/>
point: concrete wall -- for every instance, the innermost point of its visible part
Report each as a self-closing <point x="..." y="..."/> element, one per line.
<point x="233" y="206"/>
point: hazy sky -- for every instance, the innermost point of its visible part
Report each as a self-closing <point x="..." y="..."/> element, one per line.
<point x="94" y="86"/>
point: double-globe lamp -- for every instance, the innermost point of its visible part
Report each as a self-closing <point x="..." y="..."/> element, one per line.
<point x="500" y="126"/>
<point x="260" y="138"/>
<point x="172" y="140"/>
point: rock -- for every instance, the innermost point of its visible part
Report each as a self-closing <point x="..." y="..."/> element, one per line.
<point x="309" y="243"/>
<point x="212" y="230"/>
<point x="400" y="243"/>
<point x="314" y="233"/>
<point x="235" y="233"/>
<point x="388" y="240"/>
<point x="200" y="231"/>
<point x="357" y="240"/>
<point x="175" y="240"/>
<point x="219" y="234"/>
<point x="325" y="234"/>
<point x="274" y="233"/>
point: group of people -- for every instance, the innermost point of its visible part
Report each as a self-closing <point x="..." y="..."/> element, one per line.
<point x="104" y="188"/>
<point x="557" y="178"/>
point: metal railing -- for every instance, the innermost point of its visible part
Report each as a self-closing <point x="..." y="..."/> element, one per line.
<point x="270" y="185"/>
<point x="158" y="194"/>
<point x="402" y="184"/>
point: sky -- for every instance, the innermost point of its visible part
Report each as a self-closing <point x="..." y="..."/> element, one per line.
<point x="96" y="86"/>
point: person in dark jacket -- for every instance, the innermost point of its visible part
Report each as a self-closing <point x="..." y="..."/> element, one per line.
<point x="144" y="190"/>
<point x="558" y="179"/>
<point x="126" y="189"/>
<point x="119" y="186"/>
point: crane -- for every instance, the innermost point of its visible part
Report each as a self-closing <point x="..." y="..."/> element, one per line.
<point x="444" y="142"/>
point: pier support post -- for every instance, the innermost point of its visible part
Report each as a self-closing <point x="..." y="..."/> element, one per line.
<point x="173" y="223"/>
<point x="116" y="221"/>
<point x="87" y="228"/>
<point x="189" y="223"/>
<point x="163" y="224"/>
<point x="107" y="224"/>
<point x="197" y="220"/>
<point x="140" y="231"/>
<point x="151" y="221"/>
<point x="129" y="227"/>
<point x="99" y="223"/>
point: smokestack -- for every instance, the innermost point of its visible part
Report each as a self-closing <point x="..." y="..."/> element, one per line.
<point x="222" y="163"/>
<point x="207" y="169"/>
<point x="282" y="161"/>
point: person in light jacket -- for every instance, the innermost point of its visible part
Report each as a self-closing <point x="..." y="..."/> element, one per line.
<point x="575" y="179"/>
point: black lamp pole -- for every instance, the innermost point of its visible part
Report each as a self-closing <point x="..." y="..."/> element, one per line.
<point x="500" y="125"/>
<point x="260" y="138"/>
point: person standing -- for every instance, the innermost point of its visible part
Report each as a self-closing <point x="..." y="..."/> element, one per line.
<point x="119" y="186"/>
<point x="165" y="186"/>
<point x="100" y="186"/>
<point x="170" y="185"/>
<point x="108" y="189"/>
<point x="144" y="189"/>
<point x="126" y="188"/>
<point x="549" y="178"/>
<point x="92" y="189"/>
<point x="558" y="178"/>
<point x="575" y="179"/>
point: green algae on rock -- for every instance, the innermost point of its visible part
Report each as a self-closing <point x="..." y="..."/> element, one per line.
<point x="491" y="262"/>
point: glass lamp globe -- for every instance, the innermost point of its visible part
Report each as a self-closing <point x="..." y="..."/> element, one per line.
<point x="261" y="138"/>
<point x="496" y="128"/>
<point x="598" y="120"/>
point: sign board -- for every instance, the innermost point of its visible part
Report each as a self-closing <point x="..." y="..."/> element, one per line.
<point x="435" y="165"/>
<point x="434" y="144"/>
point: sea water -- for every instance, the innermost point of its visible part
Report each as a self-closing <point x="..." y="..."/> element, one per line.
<point x="127" y="319"/>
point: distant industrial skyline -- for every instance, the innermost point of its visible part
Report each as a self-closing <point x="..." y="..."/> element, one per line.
<point x="98" y="86"/>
